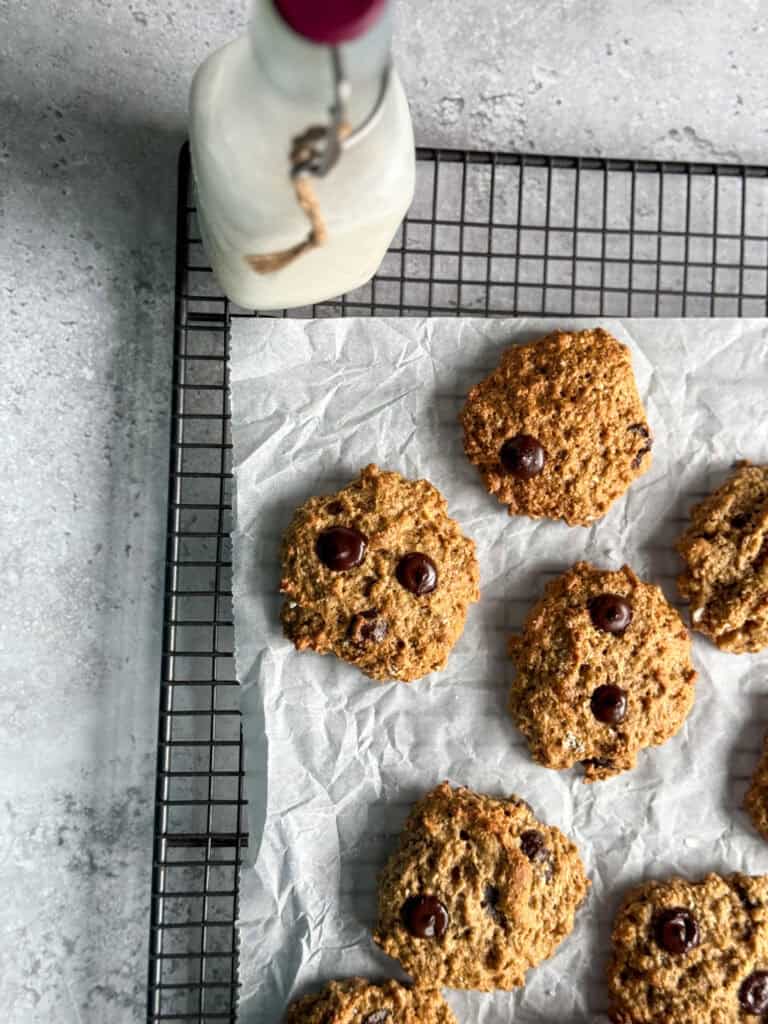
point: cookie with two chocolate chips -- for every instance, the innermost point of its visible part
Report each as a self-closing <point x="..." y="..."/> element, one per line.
<point x="357" y="1001"/>
<point x="378" y="574"/>
<point x="691" y="951"/>
<point x="558" y="430"/>
<point x="478" y="891"/>
<point x="603" y="670"/>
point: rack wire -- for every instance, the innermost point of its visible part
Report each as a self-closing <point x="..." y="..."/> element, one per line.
<point x="488" y="234"/>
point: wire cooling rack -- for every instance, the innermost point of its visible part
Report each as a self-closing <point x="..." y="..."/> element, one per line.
<point x="487" y="234"/>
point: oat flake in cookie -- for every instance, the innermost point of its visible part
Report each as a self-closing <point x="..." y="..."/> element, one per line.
<point x="558" y="429"/>
<point x="603" y="669"/>
<point x="378" y="574"/>
<point x="357" y="1001"/>
<point x="726" y="554"/>
<point x="478" y="891"/>
<point x="691" y="952"/>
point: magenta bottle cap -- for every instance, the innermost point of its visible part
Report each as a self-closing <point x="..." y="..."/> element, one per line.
<point x="330" y="21"/>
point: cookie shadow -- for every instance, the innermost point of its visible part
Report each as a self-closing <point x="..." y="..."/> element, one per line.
<point x="362" y="865"/>
<point x="744" y="754"/>
<point x="660" y="562"/>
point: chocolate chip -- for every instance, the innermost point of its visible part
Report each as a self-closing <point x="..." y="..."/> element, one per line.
<point x="533" y="845"/>
<point x="523" y="456"/>
<point x="341" y="548"/>
<point x="464" y="835"/>
<point x="746" y="900"/>
<point x="597" y="762"/>
<point x="417" y="573"/>
<point x="641" y="455"/>
<point x="740" y="520"/>
<point x="676" y="930"/>
<point x="609" y="704"/>
<point x="377" y="1017"/>
<point x="753" y="993"/>
<point x="490" y="903"/>
<point x="425" y="917"/>
<point x="491" y="896"/>
<point x="368" y="627"/>
<point x="643" y="431"/>
<point x="610" y="613"/>
<point x="639" y="428"/>
<point x="334" y="508"/>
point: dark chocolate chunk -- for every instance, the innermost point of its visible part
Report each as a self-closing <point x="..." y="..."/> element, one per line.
<point x="341" y="548"/>
<point x="368" y="627"/>
<point x="753" y="993"/>
<point x="639" y="428"/>
<point x="610" y="613"/>
<point x="676" y="930"/>
<point x="425" y="917"/>
<point x="609" y="704"/>
<point x="523" y="456"/>
<point x="641" y="455"/>
<point x="533" y="845"/>
<point x="490" y="902"/>
<point x="417" y="573"/>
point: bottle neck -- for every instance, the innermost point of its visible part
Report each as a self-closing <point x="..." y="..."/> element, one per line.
<point x="303" y="70"/>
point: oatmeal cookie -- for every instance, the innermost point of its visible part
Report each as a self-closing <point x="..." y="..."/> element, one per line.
<point x="478" y="891"/>
<point x="726" y="554"/>
<point x="380" y="575"/>
<point x="558" y="430"/>
<point x="603" y="669"/>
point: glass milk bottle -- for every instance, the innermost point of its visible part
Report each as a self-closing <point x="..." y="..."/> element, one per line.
<point x="302" y="152"/>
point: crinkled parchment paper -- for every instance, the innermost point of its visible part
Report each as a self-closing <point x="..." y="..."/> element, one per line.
<point x="334" y="759"/>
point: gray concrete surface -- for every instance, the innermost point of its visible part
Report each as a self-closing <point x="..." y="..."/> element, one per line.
<point x="92" y="112"/>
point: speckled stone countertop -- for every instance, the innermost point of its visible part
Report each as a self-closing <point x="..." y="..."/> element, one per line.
<point x="92" y="113"/>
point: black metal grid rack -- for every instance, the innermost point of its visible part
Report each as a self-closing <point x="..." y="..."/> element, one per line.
<point x="487" y="234"/>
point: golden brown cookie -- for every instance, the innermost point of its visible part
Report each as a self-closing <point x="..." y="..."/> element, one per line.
<point x="691" y="952"/>
<point x="558" y="429"/>
<point x="357" y="1001"/>
<point x="726" y="554"/>
<point x="756" y="799"/>
<point x="603" y="670"/>
<point x="478" y="891"/>
<point x="380" y="575"/>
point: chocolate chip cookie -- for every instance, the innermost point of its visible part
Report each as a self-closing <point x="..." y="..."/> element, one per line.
<point x="603" y="670"/>
<point x="691" y="951"/>
<point x="558" y="429"/>
<point x="378" y="574"/>
<point x="756" y="799"/>
<point x="357" y="1001"/>
<point x="726" y="554"/>
<point x="478" y="891"/>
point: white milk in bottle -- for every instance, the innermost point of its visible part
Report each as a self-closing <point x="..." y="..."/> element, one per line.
<point x="302" y="152"/>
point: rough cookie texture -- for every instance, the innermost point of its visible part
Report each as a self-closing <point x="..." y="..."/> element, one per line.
<point x="688" y="952"/>
<point x="726" y="554"/>
<point x="478" y="891"/>
<point x="366" y="614"/>
<point x="357" y="1001"/>
<point x="756" y="799"/>
<point x="584" y="693"/>
<point x="576" y="395"/>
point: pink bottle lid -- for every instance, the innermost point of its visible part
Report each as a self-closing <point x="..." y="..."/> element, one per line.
<point x="330" y="21"/>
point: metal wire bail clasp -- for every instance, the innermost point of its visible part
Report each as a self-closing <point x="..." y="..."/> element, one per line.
<point x="318" y="149"/>
<point x="313" y="154"/>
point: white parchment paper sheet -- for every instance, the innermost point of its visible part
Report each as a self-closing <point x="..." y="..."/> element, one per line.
<point x="334" y="759"/>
